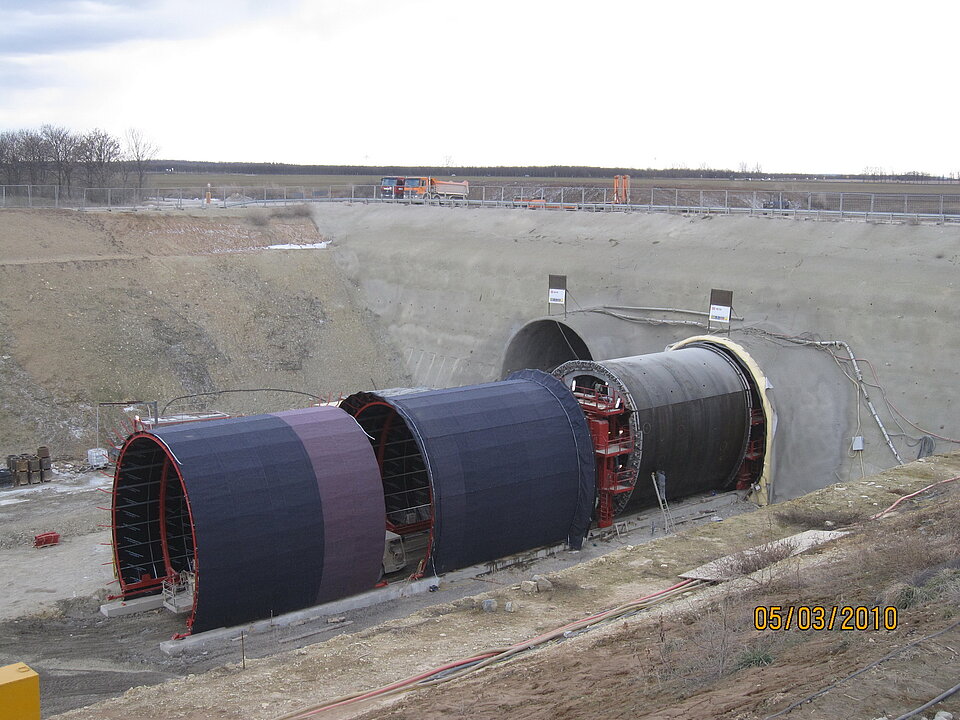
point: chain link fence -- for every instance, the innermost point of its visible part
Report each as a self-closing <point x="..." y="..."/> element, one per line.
<point x="891" y="206"/>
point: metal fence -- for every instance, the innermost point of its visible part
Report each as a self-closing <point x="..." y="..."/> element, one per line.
<point x="894" y="207"/>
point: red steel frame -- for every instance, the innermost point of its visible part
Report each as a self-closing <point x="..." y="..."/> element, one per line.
<point x="613" y="443"/>
<point x="752" y="464"/>
<point x="145" y="584"/>
<point x="381" y="450"/>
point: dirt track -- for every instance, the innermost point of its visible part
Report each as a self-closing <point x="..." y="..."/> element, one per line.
<point x="83" y="657"/>
<point x="50" y="616"/>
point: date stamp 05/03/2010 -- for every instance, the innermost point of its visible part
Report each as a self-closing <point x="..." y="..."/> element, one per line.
<point x="824" y="617"/>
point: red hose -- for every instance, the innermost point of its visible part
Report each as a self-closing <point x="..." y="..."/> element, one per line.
<point x="457" y="663"/>
<point x="913" y="494"/>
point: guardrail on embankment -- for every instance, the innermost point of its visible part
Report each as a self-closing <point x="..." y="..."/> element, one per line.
<point x="889" y="207"/>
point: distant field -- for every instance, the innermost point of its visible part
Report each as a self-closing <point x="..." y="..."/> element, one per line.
<point x="190" y="180"/>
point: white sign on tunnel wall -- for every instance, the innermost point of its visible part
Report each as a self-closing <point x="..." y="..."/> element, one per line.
<point x="558" y="290"/>
<point x="721" y="301"/>
<point x="719" y="313"/>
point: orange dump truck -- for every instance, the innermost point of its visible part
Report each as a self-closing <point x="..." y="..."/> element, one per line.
<point x="423" y="187"/>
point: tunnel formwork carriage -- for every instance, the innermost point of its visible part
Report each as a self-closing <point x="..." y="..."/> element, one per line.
<point x="489" y="470"/>
<point x="263" y="515"/>
<point x="259" y="515"/>
<point x="680" y="422"/>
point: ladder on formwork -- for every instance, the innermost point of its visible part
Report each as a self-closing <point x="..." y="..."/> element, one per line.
<point x="613" y="444"/>
<point x="669" y="525"/>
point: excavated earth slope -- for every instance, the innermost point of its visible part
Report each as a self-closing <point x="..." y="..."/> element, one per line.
<point x="99" y="307"/>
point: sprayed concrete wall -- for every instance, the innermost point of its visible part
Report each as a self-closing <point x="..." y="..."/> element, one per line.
<point x="454" y="287"/>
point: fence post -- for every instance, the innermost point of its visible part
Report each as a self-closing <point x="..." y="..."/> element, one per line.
<point x="29" y="195"/>
<point x="651" y="198"/>
<point x="56" y="198"/>
<point x="561" y="195"/>
<point x="841" y="204"/>
<point x="701" y="199"/>
<point x="941" y="207"/>
<point x="110" y="198"/>
<point x="753" y="204"/>
<point x="676" y="198"/>
<point x="726" y="200"/>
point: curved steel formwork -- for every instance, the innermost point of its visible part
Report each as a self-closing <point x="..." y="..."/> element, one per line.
<point x="490" y="469"/>
<point x="687" y="413"/>
<point x="267" y="514"/>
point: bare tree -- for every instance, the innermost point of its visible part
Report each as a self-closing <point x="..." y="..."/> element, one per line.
<point x="34" y="153"/>
<point x="139" y="152"/>
<point x="100" y="153"/>
<point x="10" y="164"/>
<point x="63" y="147"/>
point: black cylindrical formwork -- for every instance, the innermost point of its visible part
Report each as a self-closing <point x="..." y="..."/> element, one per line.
<point x="492" y="469"/>
<point x="272" y="513"/>
<point x="690" y="416"/>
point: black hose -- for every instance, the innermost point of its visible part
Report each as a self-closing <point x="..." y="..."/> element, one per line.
<point x="899" y="650"/>
<point x="220" y="392"/>
<point x="926" y="706"/>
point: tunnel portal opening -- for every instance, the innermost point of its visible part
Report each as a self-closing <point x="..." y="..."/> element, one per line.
<point x="543" y="345"/>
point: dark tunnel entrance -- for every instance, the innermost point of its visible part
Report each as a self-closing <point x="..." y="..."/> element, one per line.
<point x="544" y="345"/>
<point x="153" y="533"/>
<point x="406" y="485"/>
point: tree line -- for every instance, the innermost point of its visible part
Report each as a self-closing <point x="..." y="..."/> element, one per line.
<point x="55" y="155"/>
<point x="533" y="171"/>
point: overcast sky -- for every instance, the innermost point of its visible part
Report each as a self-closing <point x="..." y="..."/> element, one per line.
<point x="807" y="87"/>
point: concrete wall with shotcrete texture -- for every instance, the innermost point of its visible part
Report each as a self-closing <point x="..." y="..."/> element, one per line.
<point x="113" y="306"/>
<point x="453" y="287"/>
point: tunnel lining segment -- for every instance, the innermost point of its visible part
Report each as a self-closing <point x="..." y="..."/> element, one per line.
<point x="509" y="464"/>
<point x="285" y="511"/>
<point x="761" y="490"/>
<point x="690" y="417"/>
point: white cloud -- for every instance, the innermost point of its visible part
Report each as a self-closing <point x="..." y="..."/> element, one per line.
<point x="828" y="87"/>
